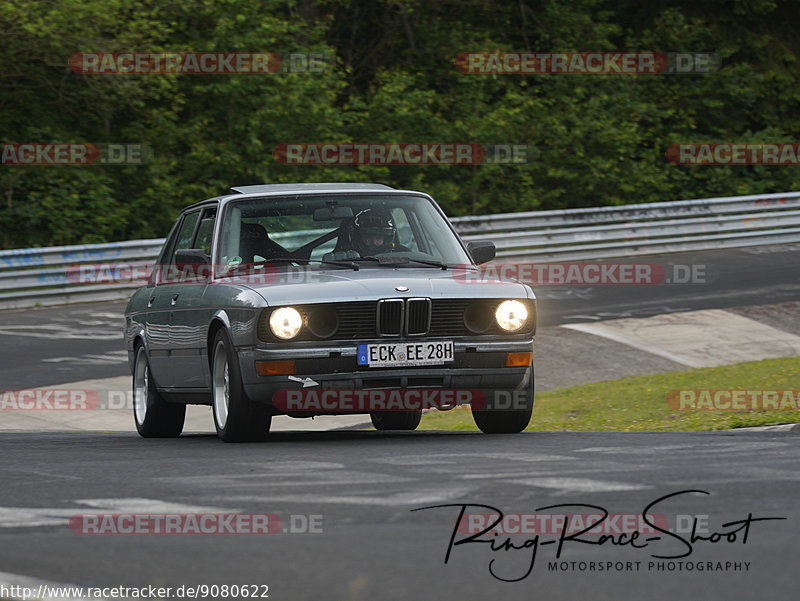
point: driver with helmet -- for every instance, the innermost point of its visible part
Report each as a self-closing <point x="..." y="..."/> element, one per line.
<point x="374" y="232"/>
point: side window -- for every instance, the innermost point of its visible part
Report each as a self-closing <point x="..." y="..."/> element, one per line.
<point x="205" y="232"/>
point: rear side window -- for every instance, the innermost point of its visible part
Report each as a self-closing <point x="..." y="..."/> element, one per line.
<point x="186" y="233"/>
<point x="205" y="232"/>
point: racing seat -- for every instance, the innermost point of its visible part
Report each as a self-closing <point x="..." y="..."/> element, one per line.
<point x="344" y="243"/>
<point x="254" y="240"/>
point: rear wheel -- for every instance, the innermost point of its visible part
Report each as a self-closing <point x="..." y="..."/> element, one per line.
<point x="396" y="420"/>
<point x="503" y="420"/>
<point x="154" y="417"/>
<point x="236" y="417"/>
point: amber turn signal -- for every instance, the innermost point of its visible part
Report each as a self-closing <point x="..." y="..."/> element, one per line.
<point x="518" y="359"/>
<point x="275" y="368"/>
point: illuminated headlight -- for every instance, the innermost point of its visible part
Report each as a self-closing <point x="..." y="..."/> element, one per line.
<point x="285" y="322"/>
<point x="511" y="315"/>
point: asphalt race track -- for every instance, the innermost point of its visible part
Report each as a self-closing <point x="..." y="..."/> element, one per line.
<point x="364" y="486"/>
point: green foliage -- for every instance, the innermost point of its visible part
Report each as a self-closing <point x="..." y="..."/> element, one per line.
<point x="600" y="139"/>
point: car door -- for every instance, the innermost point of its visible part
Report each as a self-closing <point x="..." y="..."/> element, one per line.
<point x="162" y="299"/>
<point x="190" y="315"/>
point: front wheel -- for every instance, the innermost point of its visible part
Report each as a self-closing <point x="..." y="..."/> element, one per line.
<point x="396" y="420"/>
<point x="502" y="419"/>
<point x="236" y="417"/>
<point x="154" y="417"/>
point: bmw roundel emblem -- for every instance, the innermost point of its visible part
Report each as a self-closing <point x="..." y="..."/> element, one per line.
<point x="401" y="288"/>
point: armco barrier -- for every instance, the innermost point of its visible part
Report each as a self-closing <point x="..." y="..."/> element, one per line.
<point x="39" y="276"/>
<point x="654" y="228"/>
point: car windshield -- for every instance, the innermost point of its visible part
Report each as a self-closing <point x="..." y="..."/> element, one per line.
<point x="338" y="231"/>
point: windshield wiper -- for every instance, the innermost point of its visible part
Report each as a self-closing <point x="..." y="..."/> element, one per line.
<point x="247" y="267"/>
<point x="337" y="263"/>
<point x="391" y="261"/>
<point x="442" y="266"/>
<point x="343" y="263"/>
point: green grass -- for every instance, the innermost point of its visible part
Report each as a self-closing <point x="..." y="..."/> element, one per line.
<point x="638" y="404"/>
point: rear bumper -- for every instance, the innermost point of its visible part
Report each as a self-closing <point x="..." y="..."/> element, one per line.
<point x="476" y="365"/>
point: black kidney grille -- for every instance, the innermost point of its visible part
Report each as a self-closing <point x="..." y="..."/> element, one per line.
<point x="390" y="317"/>
<point x="418" y="316"/>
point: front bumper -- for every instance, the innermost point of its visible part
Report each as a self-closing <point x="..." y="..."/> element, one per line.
<point x="476" y="365"/>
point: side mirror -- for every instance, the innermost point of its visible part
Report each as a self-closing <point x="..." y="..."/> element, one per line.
<point x="193" y="264"/>
<point x="192" y="256"/>
<point x="481" y="251"/>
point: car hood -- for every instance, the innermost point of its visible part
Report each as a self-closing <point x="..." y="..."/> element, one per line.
<point x="372" y="283"/>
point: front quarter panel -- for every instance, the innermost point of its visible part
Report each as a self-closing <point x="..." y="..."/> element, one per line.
<point x="135" y="325"/>
<point x="238" y="308"/>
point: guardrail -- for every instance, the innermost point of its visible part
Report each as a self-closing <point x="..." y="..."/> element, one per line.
<point x="49" y="276"/>
<point x="654" y="228"/>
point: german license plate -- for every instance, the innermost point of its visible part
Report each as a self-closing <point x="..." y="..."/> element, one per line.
<point x="405" y="354"/>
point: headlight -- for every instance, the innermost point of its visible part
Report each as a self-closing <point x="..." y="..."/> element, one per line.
<point x="285" y="322"/>
<point x="511" y="315"/>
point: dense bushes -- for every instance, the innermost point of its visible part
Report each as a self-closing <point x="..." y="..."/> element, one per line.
<point x="599" y="139"/>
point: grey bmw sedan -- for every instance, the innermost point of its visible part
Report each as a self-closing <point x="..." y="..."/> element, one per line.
<point x="320" y="299"/>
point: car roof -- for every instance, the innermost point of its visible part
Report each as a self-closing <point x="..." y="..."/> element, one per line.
<point x="285" y="189"/>
<point x="267" y="188"/>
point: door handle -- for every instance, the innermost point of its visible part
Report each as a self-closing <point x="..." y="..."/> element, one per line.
<point x="175" y="299"/>
<point x="151" y="301"/>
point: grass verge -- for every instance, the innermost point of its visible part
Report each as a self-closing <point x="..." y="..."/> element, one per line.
<point x="639" y="404"/>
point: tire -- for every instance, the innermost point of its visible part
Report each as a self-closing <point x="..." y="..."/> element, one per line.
<point x="236" y="417"/>
<point x="154" y="417"/>
<point x="506" y="421"/>
<point x="396" y="420"/>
